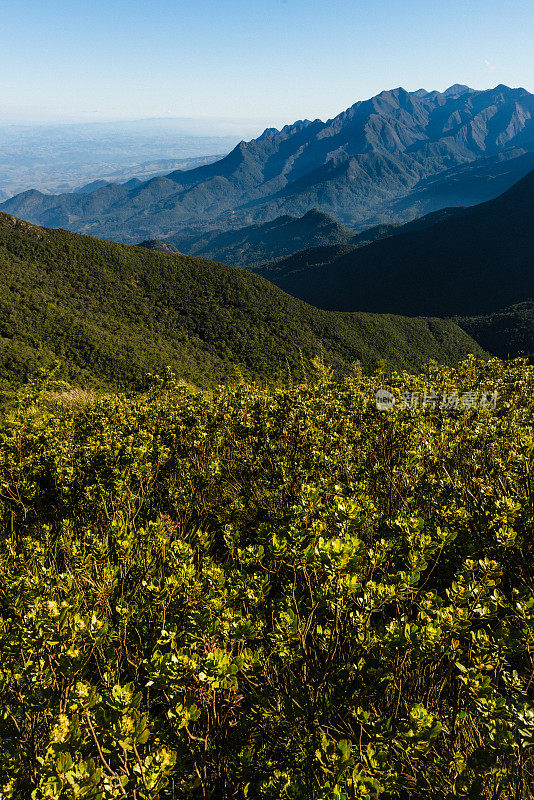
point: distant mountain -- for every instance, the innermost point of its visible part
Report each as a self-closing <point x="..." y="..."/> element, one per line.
<point x="457" y="90"/>
<point x="387" y="159"/>
<point x="255" y="244"/>
<point x="160" y="246"/>
<point x="467" y="185"/>
<point x="110" y="313"/>
<point x="472" y="261"/>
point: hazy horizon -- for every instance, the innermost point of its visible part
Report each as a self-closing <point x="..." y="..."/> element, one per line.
<point x="206" y="126"/>
<point x="246" y="63"/>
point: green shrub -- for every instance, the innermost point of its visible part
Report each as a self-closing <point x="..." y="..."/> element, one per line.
<point x="269" y="594"/>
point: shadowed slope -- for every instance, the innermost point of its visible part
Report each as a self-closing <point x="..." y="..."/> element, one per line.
<point x="475" y="261"/>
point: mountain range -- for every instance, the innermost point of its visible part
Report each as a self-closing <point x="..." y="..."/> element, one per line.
<point x="259" y="243"/>
<point x="388" y="159"/>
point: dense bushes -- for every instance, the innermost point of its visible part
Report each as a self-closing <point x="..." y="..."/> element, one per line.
<point x="283" y="594"/>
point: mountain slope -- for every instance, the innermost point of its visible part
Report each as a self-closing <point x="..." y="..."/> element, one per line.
<point x="255" y="244"/>
<point x="377" y="154"/>
<point x="466" y="185"/>
<point x="111" y="313"/>
<point x="507" y="333"/>
<point x="474" y="261"/>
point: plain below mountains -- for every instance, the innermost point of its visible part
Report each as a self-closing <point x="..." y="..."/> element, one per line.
<point x="388" y="159"/>
<point x="110" y="313"/>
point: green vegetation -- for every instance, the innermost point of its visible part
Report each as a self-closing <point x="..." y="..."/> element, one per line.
<point x="507" y="333"/>
<point x="110" y="314"/>
<point x="269" y="594"/>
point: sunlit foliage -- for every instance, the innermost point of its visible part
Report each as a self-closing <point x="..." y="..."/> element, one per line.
<point x="269" y="594"/>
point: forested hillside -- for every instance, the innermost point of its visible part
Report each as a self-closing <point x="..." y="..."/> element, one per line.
<point x="257" y="243"/>
<point x="110" y="314"/>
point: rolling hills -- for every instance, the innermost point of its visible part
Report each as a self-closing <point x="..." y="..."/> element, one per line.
<point x="255" y="244"/>
<point x="386" y="159"/>
<point x="110" y="313"/>
<point x="470" y="262"/>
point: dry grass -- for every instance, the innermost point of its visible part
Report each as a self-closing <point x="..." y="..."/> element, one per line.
<point x="74" y="397"/>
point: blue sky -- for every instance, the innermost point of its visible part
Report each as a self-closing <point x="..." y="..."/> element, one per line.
<point x="270" y="60"/>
